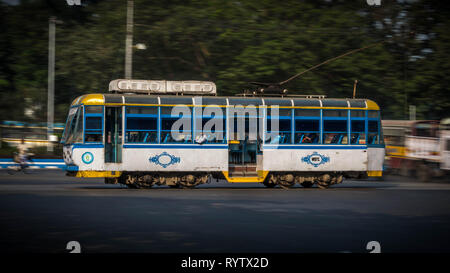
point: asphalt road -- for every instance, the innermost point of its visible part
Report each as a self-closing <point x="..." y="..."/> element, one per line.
<point x="42" y="212"/>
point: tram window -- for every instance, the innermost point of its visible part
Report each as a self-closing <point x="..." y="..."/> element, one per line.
<point x="210" y="122"/>
<point x="335" y="132"/>
<point x="358" y="126"/>
<point x="141" y="124"/>
<point x="306" y="131"/>
<point x="93" y="137"/>
<point x="284" y="133"/>
<point x="372" y="114"/>
<point x="181" y="134"/>
<point x="283" y="112"/>
<point x="169" y="135"/>
<point x="307" y="112"/>
<point x="373" y="126"/>
<point x="373" y="136"/>
<point x="335" y="125"/>
<point x="372" y="139"/>
<point x="141" y="130"/>
<point x="94" y="123"/>
<point x="143" y="110"/>
<point x="358" y="113"/>
<point x="93" y="129"/>
<point x="94" y="109"/>
<point x="144" y="123"/>
<point x="358" y="133"/>
<point x="335" y="113"/>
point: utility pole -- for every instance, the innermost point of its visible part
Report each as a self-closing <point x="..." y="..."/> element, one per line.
<point x="412" y="112"/>
<point x="51" y="81"/>
<point x="129" y="41"/>
<point x="354" y="88"/>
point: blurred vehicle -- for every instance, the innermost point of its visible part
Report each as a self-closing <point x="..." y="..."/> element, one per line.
<point x="417" y="148"/>
<point x="34" y="134"/>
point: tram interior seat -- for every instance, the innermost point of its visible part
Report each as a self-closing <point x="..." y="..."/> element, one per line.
<point x="308" y="138"/>
<point x="210" y="138"/>
<point x="279" y="139"/>
<point x="132" y="138"/>
<point x="337" y="139"/>
<point x="166" y="139"/>
<point x="275" y="140"/>
<point x="355" y="139"/>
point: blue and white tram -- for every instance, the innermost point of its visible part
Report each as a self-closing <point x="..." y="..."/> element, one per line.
<point x="128" y="138"/>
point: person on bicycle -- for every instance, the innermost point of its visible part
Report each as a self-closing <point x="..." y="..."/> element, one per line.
<point x="23" y="153"/>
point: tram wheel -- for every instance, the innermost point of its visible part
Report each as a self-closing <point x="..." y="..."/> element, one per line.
<point x="323" y="185"/>
<point x="187" y="185"/>
<point x="286" y="185"/>
<point x="177" y="186"/>
<point x="307" y="184"/>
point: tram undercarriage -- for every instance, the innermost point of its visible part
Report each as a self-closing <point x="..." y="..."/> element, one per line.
<point x="285" y="180"/>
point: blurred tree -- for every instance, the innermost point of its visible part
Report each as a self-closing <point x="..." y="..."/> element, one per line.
<point x="231" y="43"/>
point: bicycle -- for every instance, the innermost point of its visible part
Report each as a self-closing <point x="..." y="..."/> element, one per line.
<point x="22" y="164"/>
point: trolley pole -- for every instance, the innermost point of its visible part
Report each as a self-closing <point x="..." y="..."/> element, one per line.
<point x="51" y="81"/>
<point x="129" y="41"/>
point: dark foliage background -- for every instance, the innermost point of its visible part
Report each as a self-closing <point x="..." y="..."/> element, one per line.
<point x="231" y="43"/>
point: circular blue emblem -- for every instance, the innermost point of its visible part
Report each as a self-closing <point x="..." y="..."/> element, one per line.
<point x="87" y="157"/>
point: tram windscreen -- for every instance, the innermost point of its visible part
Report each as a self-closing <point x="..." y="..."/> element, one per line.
<point x="72" y="112"/>
<point x="74" y="126"/>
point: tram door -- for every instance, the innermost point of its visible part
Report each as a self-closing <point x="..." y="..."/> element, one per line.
<point x="113" y="134"/>
<point x="243" y="151"/>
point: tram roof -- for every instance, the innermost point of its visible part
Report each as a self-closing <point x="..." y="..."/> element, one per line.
<point x="154" y="100"/>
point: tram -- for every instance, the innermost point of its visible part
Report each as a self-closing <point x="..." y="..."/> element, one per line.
<point x="127" y="136"/>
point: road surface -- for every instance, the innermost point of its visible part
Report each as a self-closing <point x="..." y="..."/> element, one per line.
<point x="43" y="211"/>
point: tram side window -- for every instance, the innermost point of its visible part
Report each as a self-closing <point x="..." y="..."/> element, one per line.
<point x="307" y="126"/>
<point x="358" y="127"/>
<point x="282" y="134"/>
<point x="93" y="130"/>
<point x="176" y="128"/>
<point x="75" y="133"/>
<point x="373" y="124"/>
<point x="373" y="136"/>
<point x="210" y="125"/>
<point x="335" y="127"/>
<point x="141" y="124"/>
